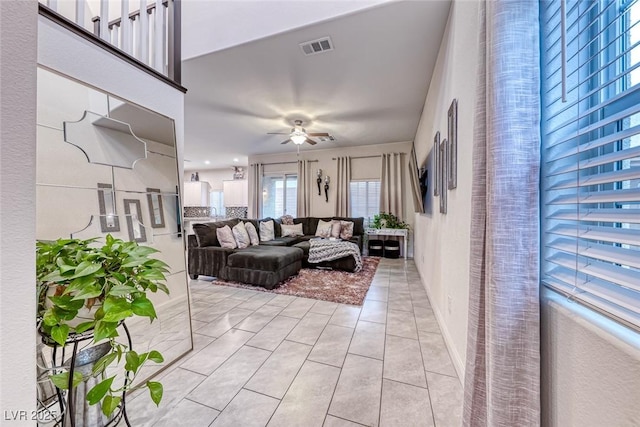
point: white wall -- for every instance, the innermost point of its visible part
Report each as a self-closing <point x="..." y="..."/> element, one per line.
<point x="442" y="242"/>
<point x="18" y="29"/>
<point x="213" y="176"/>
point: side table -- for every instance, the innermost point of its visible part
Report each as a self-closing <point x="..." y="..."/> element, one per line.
<point x="401" y="232"/>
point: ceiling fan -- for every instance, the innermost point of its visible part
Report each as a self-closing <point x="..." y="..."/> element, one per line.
<point x="299" y="135"/>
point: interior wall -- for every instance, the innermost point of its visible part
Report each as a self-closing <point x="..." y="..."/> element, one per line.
<point x="363" y="168"/>
<point x="213" y="176"/>
<point x="18" y="31"/>
<point x="442" y="241"/>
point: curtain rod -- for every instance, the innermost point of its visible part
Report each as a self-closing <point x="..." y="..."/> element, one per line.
<point x="365" y="157"/>
<point x="281" y="163"/>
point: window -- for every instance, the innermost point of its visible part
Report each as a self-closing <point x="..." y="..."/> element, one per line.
<point x="279" y="195"/>
<point x="216" y="201"/>
<point x="365" y="199"/>
<point x="591" y="154"/>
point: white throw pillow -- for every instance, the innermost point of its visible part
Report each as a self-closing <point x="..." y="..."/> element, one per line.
<point x="323" y="229"/>
<point x="266" y="231"/>
<point x="253" y="234"/>
<point x="335" y="228"/>
<point x="292" y="230"/>
<point x="241" y="235"/>
<point x="225" y="237"/>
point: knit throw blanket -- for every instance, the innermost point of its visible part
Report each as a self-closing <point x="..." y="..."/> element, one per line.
<point x="328" y="250"/>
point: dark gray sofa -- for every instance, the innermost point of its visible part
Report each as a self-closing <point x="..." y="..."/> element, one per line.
<point x="266" y="264"/>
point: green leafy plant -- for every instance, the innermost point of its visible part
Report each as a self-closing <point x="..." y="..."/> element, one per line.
<point x="387" y="220"/>
<point x="82" y="287"/>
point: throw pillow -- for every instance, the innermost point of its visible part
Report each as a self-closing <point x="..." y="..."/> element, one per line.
<point x="286" y="219"/>
<point x="225" y="237"/>
<point x="335" y="228"/>
<point x="241" y="235"/>
<point x="346" y="230"/>
<point x="292" y="230"/>
<point x="266" y="231"/>
<point x="323" y="229"/>
<point x="253" y="234"/>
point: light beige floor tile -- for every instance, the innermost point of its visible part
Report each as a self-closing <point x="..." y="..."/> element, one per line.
<point x="332" y="345"/>
<point x="298" y="308"/>
<point x="260" y="318"/>
<point x="324" y="307"/>
<point x="278" y="372"/>
<point x="435" y="355"/>
<point x="374" y="311"/>
<point x="357" y="395"/>
<point x="377" y="293"/>
<point x="426" y="320"/>
<point x="256" y="301"/>
<point x="308" y="398"/>
<point x="274" y="333"/>
<point x="247" y="409"/>
<point x="368" y="340"/>
<point x="405" y="405"/>
<point x="221" y="386"/>
<point x="215" y="354"/>
<point x="400" y="301"/>
<point x="345" y="315"/>
<point x="309" y="328"/>
<point x="190" y="414"/>
<point x="224" y="322"/>
<point x="332" y="421"/>
<point x="401" y="324"/>
<point x="446" y="399"/>
<point x="403" y="361"/>
<point x="216" y="310"/>
<point x="282" y="300"/>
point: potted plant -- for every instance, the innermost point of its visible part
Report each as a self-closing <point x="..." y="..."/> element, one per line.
<point x="388" y="220"/>
<point x="85" y="288"/>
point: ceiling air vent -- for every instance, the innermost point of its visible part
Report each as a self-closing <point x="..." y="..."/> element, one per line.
<point x="317" y="46"/>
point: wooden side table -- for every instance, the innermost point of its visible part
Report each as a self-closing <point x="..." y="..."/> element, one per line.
<point x="401" y="232"/>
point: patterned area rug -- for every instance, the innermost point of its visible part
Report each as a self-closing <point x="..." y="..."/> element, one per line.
<point x="326" y="285"/>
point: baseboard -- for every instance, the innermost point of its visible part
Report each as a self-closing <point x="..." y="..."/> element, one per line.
<point x="457" y="361"/>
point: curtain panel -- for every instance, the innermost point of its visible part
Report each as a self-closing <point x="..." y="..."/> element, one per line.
<point x="304" y="189"/>
<point x="502" y="376"/>
<point x="418" y="206"/>
<point x="392" y="184"/>
<point x="256" y="171"/>
<point x="342" y="186"/>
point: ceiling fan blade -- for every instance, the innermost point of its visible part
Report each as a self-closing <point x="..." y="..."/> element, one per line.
<point x="286" y="142"/>
<point x="278" y="133"/>
<point x="318" y="134"/>
<point x="310" y="141"/>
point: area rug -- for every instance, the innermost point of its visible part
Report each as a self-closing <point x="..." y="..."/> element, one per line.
<point x="327" y="285"/>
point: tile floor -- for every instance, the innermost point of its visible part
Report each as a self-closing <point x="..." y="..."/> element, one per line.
<point x="273" y="360"/>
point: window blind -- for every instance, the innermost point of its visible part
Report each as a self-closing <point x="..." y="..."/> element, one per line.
<point x="591" y="153"/>
<point x="365" y="199"/>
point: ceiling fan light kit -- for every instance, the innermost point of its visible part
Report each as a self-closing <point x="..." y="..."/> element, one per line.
<point x="299" y="135"/>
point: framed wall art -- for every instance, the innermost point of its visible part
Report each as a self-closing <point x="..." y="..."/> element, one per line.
<point x="109" y="221"/>
<point x="452" y="134"/>
<point x="443" y="160"/>
<point x="156" y="211"/>
<point x="436" y="164"/>
<point x="133" y="212"/>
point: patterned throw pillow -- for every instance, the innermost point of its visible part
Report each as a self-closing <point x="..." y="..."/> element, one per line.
<point x="346" y="230"/>
<point x="225" y="237"/>
<point x="286" y="220"/>
<point x="335" y="228"/>
<point x="241" y="235"/>
<point x="253" y="234"/>
<point x="266" y="231"/>
<point x="323" y="229"/>
<point x="292" y="230"/>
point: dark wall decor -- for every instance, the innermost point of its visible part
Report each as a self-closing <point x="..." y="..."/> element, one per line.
<point x="156" y="211"/>
<point x="135" y="226"/>
<point x="109" y="221"/>
<point x="452" y="134"/>
<point x="443" y="161"/>
<point x="436" y="164"/>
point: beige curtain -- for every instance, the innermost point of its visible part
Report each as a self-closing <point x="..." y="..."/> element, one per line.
<point x="255" y="190"/>
<point x="304" y="188"/>
<point x="341" y="186"/>
<point x="392" y="184"/>
<point x="418" y="206"/>
<point x="502" y="375"/>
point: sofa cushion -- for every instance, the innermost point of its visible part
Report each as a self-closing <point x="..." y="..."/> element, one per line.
<point x="241" y="235"/>
<point x="323" y="229"/>
<point x="336" y="226"/>
<point x="206" y="232"/>
<point x="266" y="230"/>
<point x="225" y="237"/>
<point x="281" y="241"/>
<point x="253" y="234"/>
<point x="346" y="230"/>
<point x="292" y="230"/>
<point x="263" y="258"/>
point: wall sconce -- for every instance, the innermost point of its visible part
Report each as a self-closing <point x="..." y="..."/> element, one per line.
<point x="326" y="188"/>
<point x="319" y="180"/>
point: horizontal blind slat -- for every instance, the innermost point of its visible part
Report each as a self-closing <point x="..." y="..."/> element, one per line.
<point x="628" y="278"/>
<point x="610" y="196"/>
<point x="631" y="216"/>
<point x="628" y="257"/>
<point x="626" y="236"/>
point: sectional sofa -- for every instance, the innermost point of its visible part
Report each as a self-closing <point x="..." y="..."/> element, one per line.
<point x="266" y="264"/>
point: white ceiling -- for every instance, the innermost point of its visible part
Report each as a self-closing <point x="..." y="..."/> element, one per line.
<point x="369" y="90"/>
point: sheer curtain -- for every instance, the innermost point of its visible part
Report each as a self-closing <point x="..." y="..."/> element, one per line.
<point x="418" y="206"/>
<point x="304" y="189"/>
<point x="502" y="376"/>
<point x="392" y="184"/>
<point x="342" y="186"/>
<point x="255" y="189"/>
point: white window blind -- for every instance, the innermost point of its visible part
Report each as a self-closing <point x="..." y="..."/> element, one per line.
<point x="365" y="199"/>
<point x="279" y="195"/>
<point x="591" y="153"/>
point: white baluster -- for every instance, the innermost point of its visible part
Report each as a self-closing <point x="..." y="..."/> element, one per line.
<point x="115" y="35"/>
<point x="125" y="27"/>
<point x="144" y="33"/>
<point x="52" y="4"/>
<point x="158" y="41"/>
<point x="80" y="12"/>
<point x="104" y="20"/>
